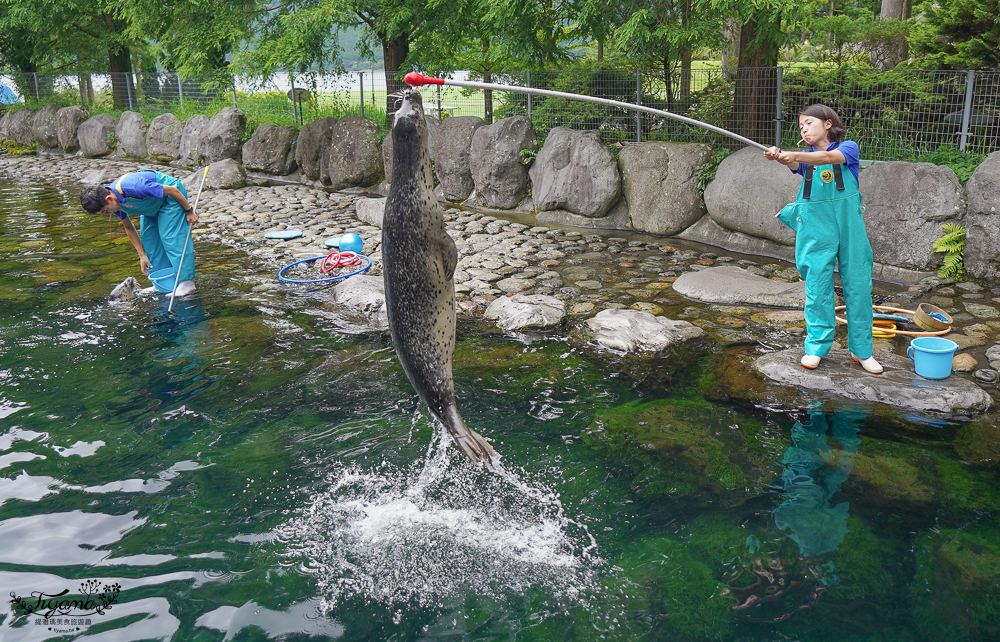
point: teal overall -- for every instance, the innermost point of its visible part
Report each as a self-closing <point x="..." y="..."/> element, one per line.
<point x="163" y="227"/>
<point x="829" y="226"/>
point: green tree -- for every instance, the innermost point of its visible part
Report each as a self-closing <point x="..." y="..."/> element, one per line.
<point x="957" y="34"/>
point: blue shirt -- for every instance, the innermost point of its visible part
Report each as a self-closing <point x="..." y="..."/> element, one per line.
<point x="851" y="152"/>
<point x="137" y="185"/>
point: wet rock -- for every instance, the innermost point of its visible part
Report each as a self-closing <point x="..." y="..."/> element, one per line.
<point x="45" y="127"/>
<point x="732" y="285"/>
<point x="898" y="386"/>
<point x="981" y="311"/>
<point x="500" y="177"/>
<point x="574" y="171"/>
<point x="986" y="375"/>
<point x="189" y="146"/>
<point x="526" y="311"/>
<point x="163" y="138"/>
<point x="96" y="135"/>
<point x="982" y="244"/>
<point x="637" y="331"/>
<point x="222" y="135"/>
<point x="964" y="362"/>
<point x="659" y="183"/>
<point x="965" y="341"/>
<point x="451" y="151"/>
<point x="748" y="191"/>
<point x="270" y="150"/>
<point x="131" y="135"/>
<point x="68" y="121"/>
<point x="313" y="140"/>
<point x="906" y="204"/>
<point x="366" y="294"/>
<point x="354" y="155"/>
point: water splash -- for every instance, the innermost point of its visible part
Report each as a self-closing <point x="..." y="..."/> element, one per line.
<point x="442" y="527"/>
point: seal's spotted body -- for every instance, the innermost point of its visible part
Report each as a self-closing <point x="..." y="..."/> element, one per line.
<point x="419" y="260"/>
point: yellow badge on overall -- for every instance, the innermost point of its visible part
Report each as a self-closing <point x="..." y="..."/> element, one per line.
<point x="826" y="175"/>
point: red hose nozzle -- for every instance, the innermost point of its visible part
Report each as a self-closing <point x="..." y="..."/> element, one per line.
<point x="414" y="79"/>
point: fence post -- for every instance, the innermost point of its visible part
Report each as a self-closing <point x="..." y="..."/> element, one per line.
<point x="638" y="101"/>
<point x="777" y="110"/>
<point x="295" y="117"/>
<point x="128" y="89"/>
<point x="38" y="97"/>
<point x="439" y="101"/>
<point x="361" y="78"/>
<point x="180" y="91"/>
<point x="970" y="84"/>
<point x="528" y="85"/>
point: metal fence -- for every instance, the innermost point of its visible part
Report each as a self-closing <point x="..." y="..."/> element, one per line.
<point x="891" y="114"/>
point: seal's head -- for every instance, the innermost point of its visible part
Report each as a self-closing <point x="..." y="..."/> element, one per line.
<point x="411" y="109"/>
<point x="409" y="137"/>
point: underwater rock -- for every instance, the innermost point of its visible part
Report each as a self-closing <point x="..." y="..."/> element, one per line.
<point x="732" y="285"/>
<point x="636" y="331"/>
<point x="979" y="442"/>
<point x="898" y="386"/>
<point x="526" y="311"/>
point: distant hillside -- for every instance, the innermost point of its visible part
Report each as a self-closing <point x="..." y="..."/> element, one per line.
<point x="349" y="39"/>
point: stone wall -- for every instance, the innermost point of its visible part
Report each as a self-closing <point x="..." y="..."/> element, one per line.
<point x="574" y="179"/>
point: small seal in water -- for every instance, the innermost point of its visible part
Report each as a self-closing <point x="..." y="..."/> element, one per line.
<point x="419" y="260"/>
<point x="127" y="290"/>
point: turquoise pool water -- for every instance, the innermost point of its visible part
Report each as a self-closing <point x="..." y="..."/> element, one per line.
<point x="253" y="468"/>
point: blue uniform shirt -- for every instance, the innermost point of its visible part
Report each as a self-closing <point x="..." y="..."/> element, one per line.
<point x="136" y="185"/>
<point x="851" y="154"/>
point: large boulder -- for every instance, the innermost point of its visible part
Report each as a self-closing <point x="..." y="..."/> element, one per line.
<point x="21" y="126"/>
<point x="575" y="172"/>
<point x="68" y="121"/>
<point x="905" y="206"/>
<point x="731" y="285"/>
<point x="354" y="157"/>
<point x="163" y="139"/>
<point x="222" y="135"/>
<point x="982" y="236"/>
<point x="433" y="125"/>
<point x="270" y="149"/>
<point x="451" y="151"/>
<point x="500" y="176"/>
<point x="748" y="191"/>
<point x="96" y="135"/>
<point x="131" y="135"/>
<point x="637" y="331"/>
<point x="660" y="185"/>
<point x="526" y="312"/>
<point x="224" y="174"/>
<point x="189" y="147"/>
<point x="45" y="127"/>
<point x="5" y="126"/>
<point x="313" y="140"/>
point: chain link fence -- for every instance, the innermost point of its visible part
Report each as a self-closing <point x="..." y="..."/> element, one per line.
<point x="892" y="114"/>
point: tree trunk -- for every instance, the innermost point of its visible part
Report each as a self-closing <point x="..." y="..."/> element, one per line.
<point x="684" y="54"/>
<point x="487" y="93"/>
<point x="897" y="50"/>
<point x="394" y="52"/>
<point x="756" y="77"/>
<point x="600" y="49"/>
<point x="120" y="64"/>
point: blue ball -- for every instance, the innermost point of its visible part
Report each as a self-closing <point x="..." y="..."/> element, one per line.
<point x="351" y="243"/>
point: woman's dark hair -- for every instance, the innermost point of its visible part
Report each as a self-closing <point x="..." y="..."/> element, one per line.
<point x="93" y="198"/>
<point x="824" y="113"/>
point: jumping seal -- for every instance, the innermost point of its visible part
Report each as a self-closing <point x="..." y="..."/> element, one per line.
<point x="419" y="260"/>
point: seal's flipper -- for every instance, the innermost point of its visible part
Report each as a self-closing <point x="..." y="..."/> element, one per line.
<point x="472" y="443"/>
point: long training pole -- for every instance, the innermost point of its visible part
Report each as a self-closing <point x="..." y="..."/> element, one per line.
<point x="177" y="278"/>
<point x="414" y="79"/>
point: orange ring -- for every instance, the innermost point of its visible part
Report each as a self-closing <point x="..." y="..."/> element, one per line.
<point x="908" y="333"/>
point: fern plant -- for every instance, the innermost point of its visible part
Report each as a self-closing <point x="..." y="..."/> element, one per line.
<point x="953" y="246"/>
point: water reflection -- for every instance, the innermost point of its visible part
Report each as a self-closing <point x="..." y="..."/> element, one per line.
<point x="814" y="472"/>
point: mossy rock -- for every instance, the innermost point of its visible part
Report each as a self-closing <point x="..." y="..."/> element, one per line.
<point x="979" y="442"/>
<point x="956" y="589"/>
<point x="677" y="446"/>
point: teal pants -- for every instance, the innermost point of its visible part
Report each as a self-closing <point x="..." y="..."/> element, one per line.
<point x="830" y="228"/>
<point x="163" y="228"/>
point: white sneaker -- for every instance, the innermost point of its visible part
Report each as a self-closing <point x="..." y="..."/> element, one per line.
<point x="869" y="364"/>
<point x="810" y="361"/>
<point x="184" y="287"/>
